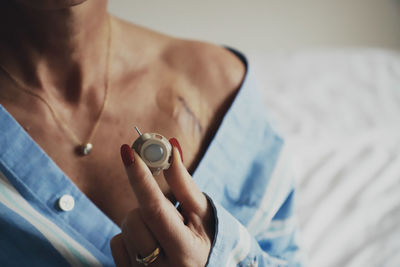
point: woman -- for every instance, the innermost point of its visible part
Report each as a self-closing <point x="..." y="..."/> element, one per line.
<point x="74" y="81"/>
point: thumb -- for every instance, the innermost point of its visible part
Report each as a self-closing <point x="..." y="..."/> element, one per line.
<point x="182" y="185"/>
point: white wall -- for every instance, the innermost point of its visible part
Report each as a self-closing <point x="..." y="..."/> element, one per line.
<point x="269" y="25"/>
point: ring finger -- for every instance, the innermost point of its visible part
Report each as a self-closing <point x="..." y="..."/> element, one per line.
<point x="138" y="239"/>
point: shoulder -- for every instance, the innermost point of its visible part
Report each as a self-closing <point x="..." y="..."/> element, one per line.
<point x="213" y="69"/>
<point x="205" y="75"/>
<point x="206" y="66"/>
<point x="212" y="75"/>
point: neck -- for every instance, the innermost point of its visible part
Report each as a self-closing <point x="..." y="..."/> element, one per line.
<point x="59" y="50"/>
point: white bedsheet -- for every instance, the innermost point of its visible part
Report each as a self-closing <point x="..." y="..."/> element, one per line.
<point x="340" y="113"/>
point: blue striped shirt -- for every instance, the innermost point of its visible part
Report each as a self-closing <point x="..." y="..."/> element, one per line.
<point x="244" y="173"/>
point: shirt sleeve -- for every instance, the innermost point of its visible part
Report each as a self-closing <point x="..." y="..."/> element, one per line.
<point x="234" y="245"/>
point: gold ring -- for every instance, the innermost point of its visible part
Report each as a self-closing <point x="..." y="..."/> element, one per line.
<point x="150" y="258"/>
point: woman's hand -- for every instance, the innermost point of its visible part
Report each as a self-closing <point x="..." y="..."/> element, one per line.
<point x="184" y="238"/>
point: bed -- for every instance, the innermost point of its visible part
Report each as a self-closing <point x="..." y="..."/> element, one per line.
<point x="340" y="113"/>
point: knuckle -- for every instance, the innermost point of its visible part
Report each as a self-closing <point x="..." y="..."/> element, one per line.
<point x="146" y="176"/>
<point x="141" y="178"/>
<point x="141" y="170"/>
<point x="152" y="213"/>
<point x="132" y="218"/>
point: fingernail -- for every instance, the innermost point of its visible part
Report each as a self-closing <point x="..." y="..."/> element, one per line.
<point x="176" y="144"/>
<point x="127" y="155"/>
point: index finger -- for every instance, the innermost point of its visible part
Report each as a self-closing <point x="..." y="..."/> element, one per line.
<point x="157" y="211"/>
<point x="147" y="191"/>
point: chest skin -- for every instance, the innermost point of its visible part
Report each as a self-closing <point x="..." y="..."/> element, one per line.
<point x="101" y="175"/>
<point x="175" y="93"/>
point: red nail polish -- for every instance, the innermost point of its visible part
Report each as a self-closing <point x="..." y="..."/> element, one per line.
<point x="176" y="144"/>
<point x="127" y="155"/>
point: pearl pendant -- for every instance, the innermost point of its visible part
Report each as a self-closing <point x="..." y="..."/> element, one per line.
<point x="85" y="149"/>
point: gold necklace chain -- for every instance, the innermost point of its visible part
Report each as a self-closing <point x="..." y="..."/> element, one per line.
<point x="83" y="148"/>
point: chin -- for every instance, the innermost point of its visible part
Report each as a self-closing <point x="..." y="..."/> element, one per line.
<point x="50" y="4"/>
